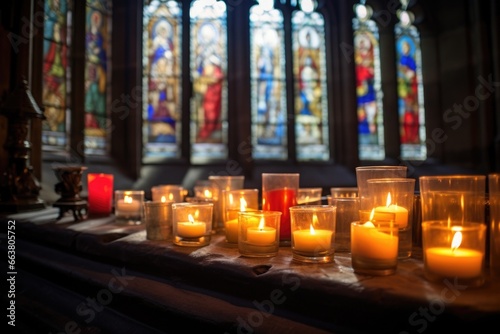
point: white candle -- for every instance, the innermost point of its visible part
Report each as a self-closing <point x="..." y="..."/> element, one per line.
<point x="261" y="235"/>
<point x="454" y="261"/>
<point x="401" y="214"/>
<point x="312" y="240"/>
<point x="368" y="242"/>
<point x="128" y="207"/>
<point x="191" y="229"/>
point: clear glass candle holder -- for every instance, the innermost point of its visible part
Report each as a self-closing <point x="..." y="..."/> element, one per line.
<point x="494" y="203"/>
<point x="396" y="195"/>
<point x="454" y="252"/>
<point x="346" y="213"/>
<point x="258" y="234"/>
<point x="129" y="206"/>
<point x="236" y="201"/>
<point x="167" y="192"/>
<point x="279" y="193"/>
<point x="192" y="223"/>
<point x="313" y="233"/>
<point x="309" y="196"/>
<point x="374" y="246"/>
<point x="336" y="192"/>
<point x="220" y="183"/>
<point x="158" y="220"/>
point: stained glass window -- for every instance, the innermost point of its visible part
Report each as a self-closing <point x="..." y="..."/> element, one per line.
<point x="162" y="79"/>
<point x="410" y="89"/>
<point x="268" y="95"/>
<point x="311" y="105"/>
<point x="368" y="85"/>
<point x="97" y="76"/>
<point x="56" y="74"/>
<point x="208" y="75"/>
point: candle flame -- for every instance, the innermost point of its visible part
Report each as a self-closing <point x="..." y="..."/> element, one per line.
<point x="262" y="224"/>
<point x="171" y="196"/>
<point x="207" y="193"/>
<point x="311" y="229"/>
<point x="457" y="240"/>
<point x="389" y="200"/>
<point x="243" y="204"/>
<point x="231" y="199"/>
<point x="190" y="218"/>
<point x="128" y="199"/>
<point x="163" y="199"/>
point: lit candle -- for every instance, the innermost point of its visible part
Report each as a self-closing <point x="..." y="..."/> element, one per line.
<point x="261" y="235"/>
<point x="312" y="240"/>
<point x="454" y="261"/>
<point x="401" y="214"/>
<point x="368" y="242"/>
<point x="128" y="207"/>
<point x="191" y="229"/>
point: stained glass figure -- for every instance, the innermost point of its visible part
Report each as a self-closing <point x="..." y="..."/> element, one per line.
<point x="368" y="85"/>
<point x="56" y="74"/>
<point x="208" y="75"/>
<point x="97" y="76"/>
<point x="410" y="88"/>
<point x="162" y="80"/>
<point x="268" y="95"/>
<point x="311" y="105"/>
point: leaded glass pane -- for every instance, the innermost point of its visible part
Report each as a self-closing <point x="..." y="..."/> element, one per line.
<point x="311" y="104"/>
<point x="162" y="79"/>
<point x="268" y="96"/>
<point x="208" y="123"/>
<point x="368" y="90"/>
<point x="97" y="76"/>
<point x="56" y="74"/>
<point x="410" y="93"/>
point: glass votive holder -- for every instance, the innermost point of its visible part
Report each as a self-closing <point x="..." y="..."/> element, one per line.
<point x="236" y="201"/>
<point x="309" y="196"/>
<point x="192" y="223"/>
<point x="396" y="195"/>
<point x="100" y="193"/>
<point x="344" y="192"/>
<point x="494" y="202"/>
<point x="167" y="192"/>
<point x="158" y="220"/>
<point x="129" y="205"/>
<point x="313" y="233"/>
<point x="203" y="189"/>
<point x="279" y="193"/>
<point x="374" y="245"/>
<point x="258" y="234"/>
<point x="364" y="173"/>
<point x="220" y="183"/>
<point x="347" y="212"/>
<point x="454" y="251"/>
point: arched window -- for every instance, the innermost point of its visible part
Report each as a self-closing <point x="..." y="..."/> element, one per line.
<point x="57" y="74"/>
<point x="208" y="68"/>
<point x="368" y="85"/>
<point x="268" y="82"/>
<point x="309" y="68"/>
<point x="410" y="87"/>
<point x="162" y="54"/>
<point x="97" y="76"/>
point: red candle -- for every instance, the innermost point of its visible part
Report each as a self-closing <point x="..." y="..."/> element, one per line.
<point x="100" y="191"/>
<point x="281" y="200"/>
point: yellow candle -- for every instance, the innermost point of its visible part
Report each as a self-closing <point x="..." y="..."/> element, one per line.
<point x="401" y="214"/>
<point x="232" y="230"/>
<point x="261" y="235"/>
<point x="454" y="261"/>
<point x="368" y="242"/>
<point x="191" y="229"/>
<point x="312" y="240"/>
<point x="128" y="207"/>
